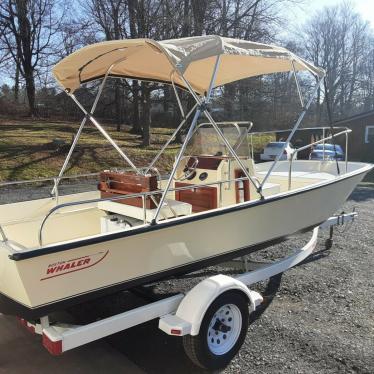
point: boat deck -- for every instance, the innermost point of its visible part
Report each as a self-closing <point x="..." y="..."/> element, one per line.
<point x="22" y="221"/>
<point x="301" y="174"/>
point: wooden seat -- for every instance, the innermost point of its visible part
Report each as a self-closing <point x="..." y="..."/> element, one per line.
<point x="114" y="184"/>
<point x="170" y="209"/>
<point x="201" y="199"/>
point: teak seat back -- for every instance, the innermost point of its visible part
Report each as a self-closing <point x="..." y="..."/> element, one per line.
<point x="114" y="184"/>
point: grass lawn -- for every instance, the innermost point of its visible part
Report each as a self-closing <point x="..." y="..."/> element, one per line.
<point x="27" y="150"/>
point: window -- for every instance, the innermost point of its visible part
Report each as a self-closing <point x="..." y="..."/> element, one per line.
<point x="369" y="134"/>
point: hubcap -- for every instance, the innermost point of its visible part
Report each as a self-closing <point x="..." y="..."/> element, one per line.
<point x="224" y="329"/>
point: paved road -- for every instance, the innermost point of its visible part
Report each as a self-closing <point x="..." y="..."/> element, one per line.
<point x="319" y="320"/>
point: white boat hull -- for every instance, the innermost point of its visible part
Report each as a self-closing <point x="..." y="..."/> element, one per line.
<point x="64" y="273"/>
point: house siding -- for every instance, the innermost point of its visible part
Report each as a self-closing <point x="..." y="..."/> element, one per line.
<point x="357" y="148"/>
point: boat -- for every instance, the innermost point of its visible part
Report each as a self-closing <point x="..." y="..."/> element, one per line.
<point x="139" y="227"/>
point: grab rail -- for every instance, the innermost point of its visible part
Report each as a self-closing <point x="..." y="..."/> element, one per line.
<point x="293" y="154"/>
<point x="52" y="179"/>
<point x="143" y="195"/>
<point x="56" y="180"/>
<point x="302" y="129"/>
<point x="2" y="233"/>
<point x="49" y="179"/>
<point x="234" y="123"/>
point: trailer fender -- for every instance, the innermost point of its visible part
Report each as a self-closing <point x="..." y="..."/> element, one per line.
<point x="194" y="305"/>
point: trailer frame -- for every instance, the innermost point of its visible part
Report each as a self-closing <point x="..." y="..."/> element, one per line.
<point x="181" y="314"/>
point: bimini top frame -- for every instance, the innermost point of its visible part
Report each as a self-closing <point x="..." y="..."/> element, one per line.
<point x="185" y="63"/>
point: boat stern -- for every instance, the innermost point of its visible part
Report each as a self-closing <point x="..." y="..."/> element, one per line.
<point x="13" y="294"/>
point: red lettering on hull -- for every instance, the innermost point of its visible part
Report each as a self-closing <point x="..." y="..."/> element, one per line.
<point x="67" y="267"/>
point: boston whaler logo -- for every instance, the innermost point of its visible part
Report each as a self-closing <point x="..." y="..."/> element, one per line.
<point x="65" y="267"/>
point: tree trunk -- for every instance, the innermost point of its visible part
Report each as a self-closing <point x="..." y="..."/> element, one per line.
<point x="166" y="99"/>
<point x="199" y="8"/>
<point x="318" y="108"/>
<point x="117" y="100"/>
<point x="24" y="43"/>
<point x="30" y="90"/>
<point x="136" y="127"/>
<point x="146" y="114"/>
<point x="229" y="95"/>
<point x="186" y="19"/>
<point x="16" y="84"/>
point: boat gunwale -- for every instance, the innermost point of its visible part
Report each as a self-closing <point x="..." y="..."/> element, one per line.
<point x="75" y="244"/>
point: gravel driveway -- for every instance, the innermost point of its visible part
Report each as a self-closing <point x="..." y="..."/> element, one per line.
<point x="318" y="318"/>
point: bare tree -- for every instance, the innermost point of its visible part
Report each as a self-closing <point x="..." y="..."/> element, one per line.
<point x="145" y="21"/>
<point x="136" y="127"/>
<point x="110" y="16"/>
<point x="338" y="40"/>
<point x="27" y="28"/>
<point x="73" y="35"/>
<point x="256" y="20"/>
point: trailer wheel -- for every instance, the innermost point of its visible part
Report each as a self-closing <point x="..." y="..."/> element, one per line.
<point x="222" y="332"/>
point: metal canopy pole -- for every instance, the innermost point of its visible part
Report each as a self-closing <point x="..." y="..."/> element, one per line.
<point x="329" y="115"/>
<point x="186" y="141"/>
<point x="84" y="120"/>
<point x="78" y="134"/>
<point x="104" y="133"/>
<point x="296" y="126"/>
<point x="170" y="139"/>
<point x="346" y="152"/>
<point x="176" y="93"/>
<point x="226" y="142"/>
<point x="297" y="84"/>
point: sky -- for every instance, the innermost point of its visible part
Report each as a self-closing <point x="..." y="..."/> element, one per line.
<point x="364" y="7"/>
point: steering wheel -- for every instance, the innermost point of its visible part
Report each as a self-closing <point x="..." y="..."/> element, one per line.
<point x="188" y="171"/>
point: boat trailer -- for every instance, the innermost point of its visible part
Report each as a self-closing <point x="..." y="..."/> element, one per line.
<point x="196" y="315"/>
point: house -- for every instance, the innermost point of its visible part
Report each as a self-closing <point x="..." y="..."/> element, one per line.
<point x="361" y="140"/>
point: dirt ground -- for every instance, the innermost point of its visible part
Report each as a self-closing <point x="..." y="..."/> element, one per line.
<point x="318" y="318"/>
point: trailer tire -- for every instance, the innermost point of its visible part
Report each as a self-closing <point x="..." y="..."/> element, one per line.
<point x="219" y="339"/>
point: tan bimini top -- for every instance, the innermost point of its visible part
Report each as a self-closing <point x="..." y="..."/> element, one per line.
<point x="149" y="60"/>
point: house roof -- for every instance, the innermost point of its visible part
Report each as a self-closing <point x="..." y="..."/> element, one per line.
<point x="354" y="117"/>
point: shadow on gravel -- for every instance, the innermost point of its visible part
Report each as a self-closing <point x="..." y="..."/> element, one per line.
<point x="145" y="345"/>
<point x="149" y="348"/>
<point x="153" y="351"/>
<point x="362" y="193"/>
<point x="269" y="293"/>
<point x="315" y="256"/>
